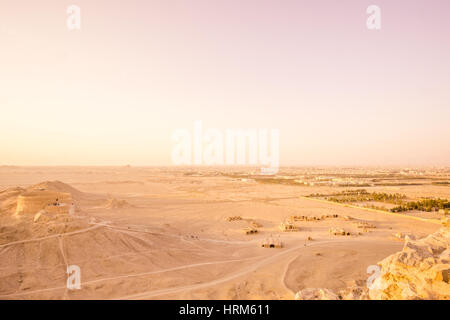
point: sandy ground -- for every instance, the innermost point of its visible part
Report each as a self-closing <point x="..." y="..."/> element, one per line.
<point x="165" y="236"/>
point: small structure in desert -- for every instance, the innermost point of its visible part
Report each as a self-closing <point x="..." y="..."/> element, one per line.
<point x="50" y="201"/>
<point x="250" y="230"/>
<point x="234" y="218"/>
<point x="271" y="243"/>
<point x="288" y="226"/>
<point x="364" y="225"/>
<point x="313" y="218"/>
<point x="303" y="218"/>
<point x="339" y="232"/>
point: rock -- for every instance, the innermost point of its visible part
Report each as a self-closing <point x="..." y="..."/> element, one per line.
<point x="37" y="216"/>
<point x="419" y="271"/>
<point x="316" y="294"/>
<point x="402" y="236"/>
<point x="41" y="216"/>
<point x="354" y="293"/>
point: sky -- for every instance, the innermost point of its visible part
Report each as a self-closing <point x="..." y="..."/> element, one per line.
<point x="113" y="92"/>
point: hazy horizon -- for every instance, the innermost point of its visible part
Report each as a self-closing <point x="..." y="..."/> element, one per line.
<point x="113" y="92"/>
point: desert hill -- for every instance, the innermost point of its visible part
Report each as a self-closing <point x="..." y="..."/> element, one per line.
<point x="35" y="197"/>
<point x="57" y="186"/>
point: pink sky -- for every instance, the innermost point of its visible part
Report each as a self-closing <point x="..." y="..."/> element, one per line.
<point x="113" y="92"/>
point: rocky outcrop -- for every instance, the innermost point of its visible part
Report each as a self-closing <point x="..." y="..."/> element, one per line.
<point x="420" y="271"/>
<point x="316" y="294"/>
<point x="446" y="222"/>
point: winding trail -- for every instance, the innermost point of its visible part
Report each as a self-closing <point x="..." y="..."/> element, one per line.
<point x="52" y="236"/>
<point x="182" y="237"/>
<point x="263" y="262"/>
<point x="130" y="276"/>
<point x="259" y="264"/>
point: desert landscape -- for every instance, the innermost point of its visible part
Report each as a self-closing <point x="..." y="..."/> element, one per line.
<point x="227" y="152"/>
<point x="224" y="233"/>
